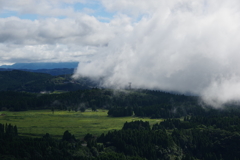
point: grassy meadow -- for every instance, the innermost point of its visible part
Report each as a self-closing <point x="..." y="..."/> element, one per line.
<point x="39" y="122"/>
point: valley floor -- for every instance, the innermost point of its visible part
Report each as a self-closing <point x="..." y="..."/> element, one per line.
<point x="36" y="123"/>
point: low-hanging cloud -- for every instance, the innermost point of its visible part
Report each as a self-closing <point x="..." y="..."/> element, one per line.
<point x="184" y="46"/>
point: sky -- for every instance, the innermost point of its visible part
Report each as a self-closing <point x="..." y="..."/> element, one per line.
<point x="179" y="45"/>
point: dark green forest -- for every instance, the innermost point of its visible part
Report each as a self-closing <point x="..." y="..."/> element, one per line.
<point x="190" y="130"/>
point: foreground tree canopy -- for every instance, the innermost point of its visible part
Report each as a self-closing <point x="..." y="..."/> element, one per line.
<point x="191" y="139"/>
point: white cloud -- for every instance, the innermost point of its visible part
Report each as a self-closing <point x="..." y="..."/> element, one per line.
<point x="44" y="53"/>
<point x="179" y="46"/>
<point x="134" y="7"/>
<point x="52" y="30"/>
<point x="222" y="90"/>
<point x="26" y="38"/>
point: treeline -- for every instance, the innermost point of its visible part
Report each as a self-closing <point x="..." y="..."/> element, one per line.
<point x="120" y="111"/>
<point x="228" y="123"/>
<point x="120" y="103"/>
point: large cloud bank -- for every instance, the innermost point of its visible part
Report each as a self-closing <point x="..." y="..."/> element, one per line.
<point x="184" y="46"/>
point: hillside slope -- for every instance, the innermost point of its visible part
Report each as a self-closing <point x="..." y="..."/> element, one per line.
<point x="17" y="80"/>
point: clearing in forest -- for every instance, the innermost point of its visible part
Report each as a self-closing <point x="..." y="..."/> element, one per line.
<point x="39" y="122"/>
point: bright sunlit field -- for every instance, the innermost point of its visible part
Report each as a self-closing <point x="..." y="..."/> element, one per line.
<point x="37" y="123"/>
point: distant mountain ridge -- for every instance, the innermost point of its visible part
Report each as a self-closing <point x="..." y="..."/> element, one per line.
<point x="42" y="65"/>
<point x="53" y="72"/>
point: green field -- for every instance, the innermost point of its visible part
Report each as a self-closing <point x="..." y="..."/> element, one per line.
<point x="37" y="123"/>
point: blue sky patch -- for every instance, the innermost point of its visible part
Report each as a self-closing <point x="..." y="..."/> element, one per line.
<point x="95" y="9"/>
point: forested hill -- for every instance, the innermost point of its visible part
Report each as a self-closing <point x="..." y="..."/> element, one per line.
<point x="16" y="80"/>
<point x="82" y="94"/>
<point x="137" y="100"/>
